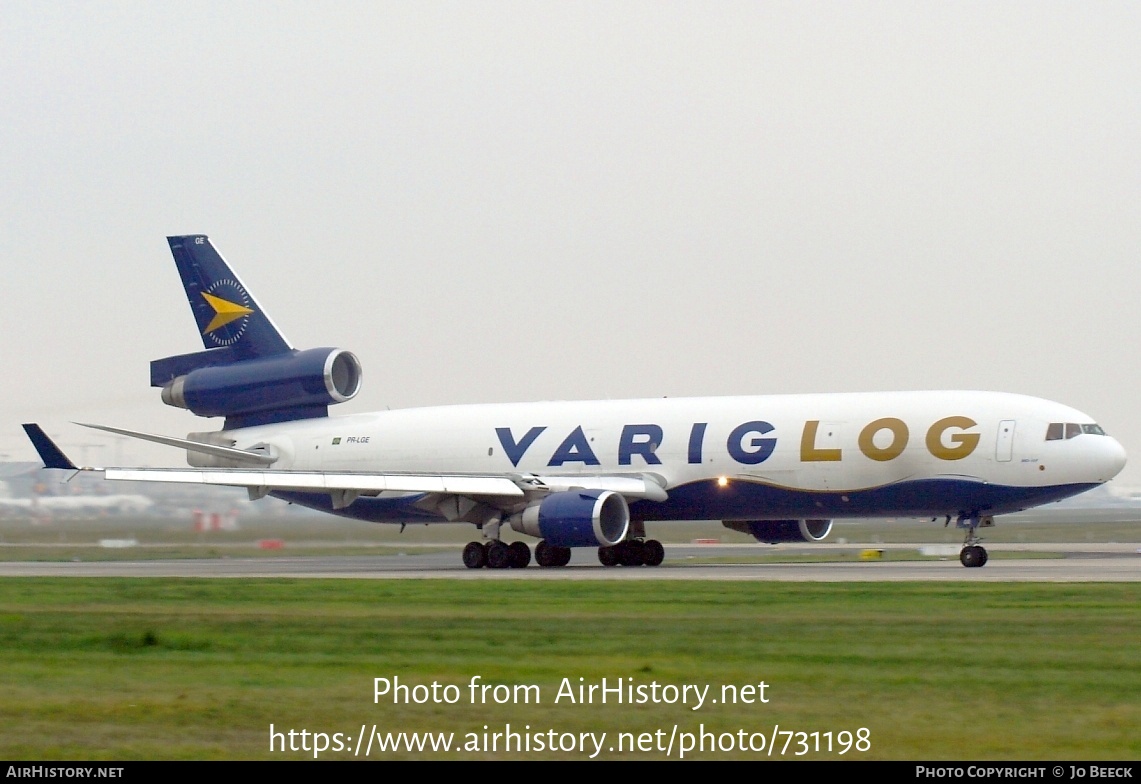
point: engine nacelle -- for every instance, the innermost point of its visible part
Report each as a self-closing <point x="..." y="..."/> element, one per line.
<point x="576" y="518"/>
<point x="776" y="531"/>
<point x="299" y="380"/>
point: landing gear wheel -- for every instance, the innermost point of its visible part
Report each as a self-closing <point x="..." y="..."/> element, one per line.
<point x="520" y="555"/>
<point x="498" y="555"/>
<point x="632" y="553"/>
<point x="543" y="554"/>
<point x="972" y="556"/>
<point x="475" y="555"/>
<point x="551" y="555"/>
<point x="653" y="553"/>
<point x="608" y="556"/>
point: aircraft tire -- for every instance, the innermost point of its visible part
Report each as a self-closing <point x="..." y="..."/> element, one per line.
<point x="972" y="557"/>
<point x="608" y="556"/>
<point x="544" y="553"/>
<point x="632" y="553"/>
<point x="475" y="555"/>
<point x="985" y="557"/>
<point x="498" y="555"/>
<point x="520" y="555"/>
<point x="551" y="555"/>
<point x="653" y="552"/>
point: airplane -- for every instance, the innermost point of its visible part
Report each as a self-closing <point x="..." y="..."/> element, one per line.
<point x="592" y="473"/>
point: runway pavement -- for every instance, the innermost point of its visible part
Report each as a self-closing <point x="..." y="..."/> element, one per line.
<point x="1077" y="563"/>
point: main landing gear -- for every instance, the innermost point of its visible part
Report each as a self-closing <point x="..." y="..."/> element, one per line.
<point x="973" y="554"/>
<point x="551" y="555"/>
<point x="497" y="555"/>
<point x="517" y="555"/>
<point x="633" y="552"/>
<point x="493" y="553"/>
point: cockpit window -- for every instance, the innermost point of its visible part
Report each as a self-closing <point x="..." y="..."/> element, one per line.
<point x="1056" y="431"/>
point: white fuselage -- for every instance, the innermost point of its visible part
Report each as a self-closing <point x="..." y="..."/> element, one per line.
<point x="836" y="453"/>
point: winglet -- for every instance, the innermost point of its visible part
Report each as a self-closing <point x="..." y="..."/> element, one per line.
<point x="51" y="454"/>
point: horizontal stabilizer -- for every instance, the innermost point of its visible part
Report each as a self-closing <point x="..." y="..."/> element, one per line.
<point x="51" y="454"/>
<point x="216" y="450"/>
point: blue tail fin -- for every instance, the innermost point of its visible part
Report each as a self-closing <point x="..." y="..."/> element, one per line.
<point x="248" y="373"/>
<point x="232" y="324"/>
<point x="227" y="314"/>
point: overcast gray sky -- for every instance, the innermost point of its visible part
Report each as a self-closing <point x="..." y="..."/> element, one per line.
<point x="512" y="201"/>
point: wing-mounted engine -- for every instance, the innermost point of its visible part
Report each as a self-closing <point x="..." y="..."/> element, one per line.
<point x="576" y="518"/>
<point x="777" y="531"/>
<point x="281" y="387"/>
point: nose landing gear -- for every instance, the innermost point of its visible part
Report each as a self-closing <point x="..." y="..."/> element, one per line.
<point x="973" y="555"/>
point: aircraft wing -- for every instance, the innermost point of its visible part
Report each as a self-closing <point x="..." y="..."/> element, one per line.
<point x="338" y="483"/>
<point x="344" y="486"/>
<point x="323" y="480"/>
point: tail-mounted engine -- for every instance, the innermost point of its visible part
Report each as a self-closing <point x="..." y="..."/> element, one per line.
<point x="576" y="518"/>
<point x="777" y="531"/>
<point x="281" y="387"/>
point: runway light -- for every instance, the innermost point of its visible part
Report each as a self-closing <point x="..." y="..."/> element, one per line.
<point x="722" y="481"/>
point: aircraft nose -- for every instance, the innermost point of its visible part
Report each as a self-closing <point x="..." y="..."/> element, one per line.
<point x="1115" y="454"/>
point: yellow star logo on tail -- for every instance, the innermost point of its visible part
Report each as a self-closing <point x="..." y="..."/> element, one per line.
<point x="224" y="312"/>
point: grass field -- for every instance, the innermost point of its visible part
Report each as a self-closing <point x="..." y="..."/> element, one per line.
<point x="138" y="668"/>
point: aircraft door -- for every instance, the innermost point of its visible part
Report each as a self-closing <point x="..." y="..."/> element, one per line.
<point x="1004" y="444"/>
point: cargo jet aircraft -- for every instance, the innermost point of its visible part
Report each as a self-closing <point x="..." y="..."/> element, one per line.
<point x="591" y="473"/>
